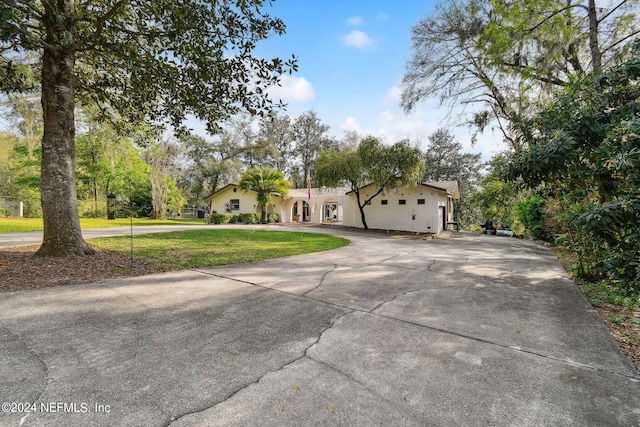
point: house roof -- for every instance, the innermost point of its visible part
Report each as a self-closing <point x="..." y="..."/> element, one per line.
<point x="449" y="187"/>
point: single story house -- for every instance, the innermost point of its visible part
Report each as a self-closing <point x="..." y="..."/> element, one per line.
<point x="426" y="207"/>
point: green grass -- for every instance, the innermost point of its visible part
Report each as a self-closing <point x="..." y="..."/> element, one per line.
<point x="15" y="225"/>
<point x="178" y="250"/>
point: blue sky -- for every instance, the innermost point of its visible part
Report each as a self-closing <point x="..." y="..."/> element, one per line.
<point x="352" y="56"/>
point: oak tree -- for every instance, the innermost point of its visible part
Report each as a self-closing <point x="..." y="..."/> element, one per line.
<point x="139" y="61"/>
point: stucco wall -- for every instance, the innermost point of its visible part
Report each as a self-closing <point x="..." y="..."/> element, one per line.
<point x="248" y="203"/>
<point x="393" y="215"/>
<point x="390" y="216"/>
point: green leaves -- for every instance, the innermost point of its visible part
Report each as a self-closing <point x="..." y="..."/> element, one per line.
<point x="160" y="60"/>
<point x="371" y="163"/>
<point x="266" y="182"/>
<point x="586" y="145"/>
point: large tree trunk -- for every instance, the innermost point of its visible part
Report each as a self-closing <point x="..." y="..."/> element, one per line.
<point x="594" y="45"/>
<point x="62" y="234"/>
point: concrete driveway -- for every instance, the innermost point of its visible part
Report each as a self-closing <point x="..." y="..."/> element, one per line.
<point x="467" y="330"/>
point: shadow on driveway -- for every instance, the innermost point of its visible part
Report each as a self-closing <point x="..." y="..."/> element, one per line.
<point x="467" y="330"/>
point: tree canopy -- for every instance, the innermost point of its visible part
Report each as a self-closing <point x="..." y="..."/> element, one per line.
<point x="583" y="149"/>
<point x="370" y="163"/>
<point x="266" y="182"/>
<point x="494" y="60"/>
<point x="139" y="62"/>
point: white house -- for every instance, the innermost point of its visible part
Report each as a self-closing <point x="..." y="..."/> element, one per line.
<point x="321" y="205"/>
<point x="424" y="208"/>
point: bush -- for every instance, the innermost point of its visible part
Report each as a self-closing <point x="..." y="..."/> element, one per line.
<point x="531" y="212"/>
<point x="4" y="212"/>
<point x="250" y="218"/>
<point x="220" y="218"/>
<point x="98" y="213"/>
<point x="273" y="217"/>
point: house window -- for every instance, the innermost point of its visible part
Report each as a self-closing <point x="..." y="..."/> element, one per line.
<point x="368" y="202"/>
<point x="234" y="204"/>
<point x="384" y="202"/>
<point x="402" y="202"/>
<point x="421" y="201"/>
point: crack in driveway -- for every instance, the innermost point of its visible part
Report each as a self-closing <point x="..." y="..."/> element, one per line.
<point x="247" y="385"/>
<point x="438" y="329"/>
<point x="326" y="273"/>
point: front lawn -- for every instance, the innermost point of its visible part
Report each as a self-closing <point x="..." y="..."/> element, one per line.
<point x="15" y="225"/>
<point x="178" y="250"/>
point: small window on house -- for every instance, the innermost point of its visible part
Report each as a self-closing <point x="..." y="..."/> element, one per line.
<point x="402" y="202"/>
<point x="384" y="202"/>
<point x="421" y="201"/>
<point x="234" y="204"/>
<point x="368" y="202"/>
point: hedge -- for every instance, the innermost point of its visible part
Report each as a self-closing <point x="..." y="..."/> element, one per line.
<point x="247" y="218"/>
<point x="217" y="218"/>
<point x="250" y="218"/>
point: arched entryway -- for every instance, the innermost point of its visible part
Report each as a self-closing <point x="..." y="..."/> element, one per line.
<point x="300" y="211"/>
<point x="331" y="211"/>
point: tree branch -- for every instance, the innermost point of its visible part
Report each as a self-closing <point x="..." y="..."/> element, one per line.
<point x="104" y="18"/>
<point x="28" y="8"/>
<point x="550" y="80"/>
<point x="24" y="32"/>
<point x="557" y="12"/>
<point x="616" y="7"/>
<point x="635" y="33"/>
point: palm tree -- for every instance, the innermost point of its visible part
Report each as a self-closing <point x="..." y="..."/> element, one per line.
<point x="267" y="182"/>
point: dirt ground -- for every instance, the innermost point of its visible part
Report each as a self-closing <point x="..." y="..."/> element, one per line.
<point x="21" y="270"/>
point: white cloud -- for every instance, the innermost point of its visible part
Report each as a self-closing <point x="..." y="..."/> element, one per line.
<point x="387" y="116"/>
<point x="351" y="125"/>
<point x="355" y="21"/>
<point x="382" y="17"/>
<point x="393" y="95"/>
<point x="394" y="126"/>
<point x="359" y="39"/>
<point x="293" y="89"/>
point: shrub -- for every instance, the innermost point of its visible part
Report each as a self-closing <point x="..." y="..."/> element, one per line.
<point x="531" y="212"/>
<point x="4" y="212"/>
<point x="220" y="218"/>
<point x="97" y="213"/>
<point x="249" y="218"/>
<point x="273" y="217"/>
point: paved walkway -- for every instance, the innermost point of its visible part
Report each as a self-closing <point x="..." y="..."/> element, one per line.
<point x="467" y="330"/>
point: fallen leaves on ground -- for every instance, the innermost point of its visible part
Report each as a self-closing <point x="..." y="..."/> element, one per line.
<point x="626" y="334"/>
<point x="21" y="269"/>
